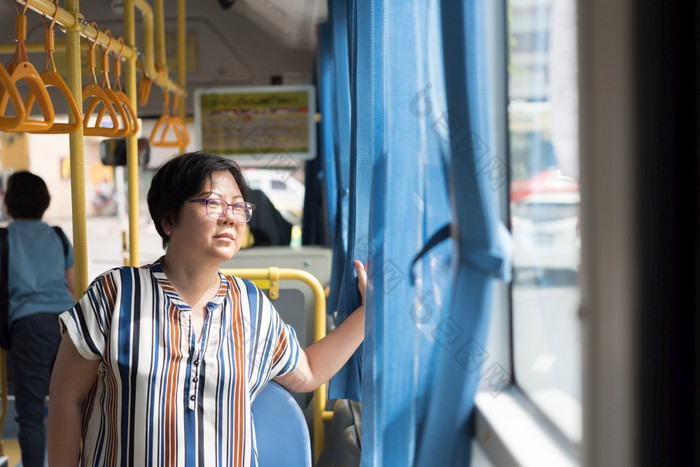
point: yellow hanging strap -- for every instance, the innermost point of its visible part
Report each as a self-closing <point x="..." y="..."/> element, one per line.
<point x="169" y="131"/>
<point x="144" y="89"/>
<point x="10" y="93"/>
<point x="96" y="97"/>
<point x="51" y="78"/>
<point x="123" y="99"/>
<point x="181" y="128"/>
<point x="123" y="119"/>
<point x="22" y="70"/>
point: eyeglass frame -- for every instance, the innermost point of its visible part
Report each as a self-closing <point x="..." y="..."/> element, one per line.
<point x="206" y="202"/>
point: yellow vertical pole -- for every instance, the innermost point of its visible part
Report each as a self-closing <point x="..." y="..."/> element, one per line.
<point x="159" y="33"/>
<point x="182" y="58"/>
<point x="77" y="156"/>
<point x="132" y="156"/>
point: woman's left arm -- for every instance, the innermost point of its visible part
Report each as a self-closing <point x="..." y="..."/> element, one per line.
<point x="321" y="360"/>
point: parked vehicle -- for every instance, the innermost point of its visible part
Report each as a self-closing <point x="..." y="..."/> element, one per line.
<point x="546" y="225"/>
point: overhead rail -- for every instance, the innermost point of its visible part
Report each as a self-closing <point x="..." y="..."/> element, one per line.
<point x="67" y="20"/>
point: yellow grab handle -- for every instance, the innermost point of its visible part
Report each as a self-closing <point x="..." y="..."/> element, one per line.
<point x="166" y="126"/>
<point x="51" y="78"/>
<point x="25" y="71"/>
<point x="98" y="97"/>
<point x="123" y="119"/>
<point x="9" y="92"/>
<point x="125" y="104"/>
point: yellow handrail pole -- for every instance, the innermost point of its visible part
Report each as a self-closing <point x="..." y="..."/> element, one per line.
<point x="182" y="57"/>
<point x="159" y="35"/>
<point x="77" y="158"/>
<point x="132" y="149"/>
<point x="321" y="415"/>
<point x="32" y="47"/>
<point x="149" y="67"/>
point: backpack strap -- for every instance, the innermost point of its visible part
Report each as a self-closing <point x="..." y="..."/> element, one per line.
<point x="62" y="236"/>
<point x="3" y="270"/>
<point x="4" y="294"/>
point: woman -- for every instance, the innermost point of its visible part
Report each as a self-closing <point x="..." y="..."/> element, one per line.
<point x="159" y="364"/>
<point x="40" y="286"/>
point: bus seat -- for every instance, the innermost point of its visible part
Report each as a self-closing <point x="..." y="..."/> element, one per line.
<point x="343" y="444"/>
<point x="281" y="433"/>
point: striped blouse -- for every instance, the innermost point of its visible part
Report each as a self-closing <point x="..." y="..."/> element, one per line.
<point x="162" y="397"/>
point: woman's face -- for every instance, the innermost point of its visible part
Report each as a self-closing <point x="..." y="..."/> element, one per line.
<point x="199" y="237"/>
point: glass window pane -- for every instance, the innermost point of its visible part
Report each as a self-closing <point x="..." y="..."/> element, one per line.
<point x="544" y="208"/>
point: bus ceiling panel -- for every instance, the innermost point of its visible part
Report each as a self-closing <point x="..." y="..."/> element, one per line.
<point x="294" y="23"/>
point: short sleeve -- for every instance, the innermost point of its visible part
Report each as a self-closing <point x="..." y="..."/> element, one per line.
<point x="88" y="322"/>
<point x="275" y="349"/>
<point x="286" y="352"/>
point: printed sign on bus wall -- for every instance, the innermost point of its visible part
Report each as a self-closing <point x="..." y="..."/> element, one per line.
<point x="260" y="123"/>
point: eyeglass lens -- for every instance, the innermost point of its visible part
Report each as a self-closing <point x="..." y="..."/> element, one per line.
<point x="216" y="209"/>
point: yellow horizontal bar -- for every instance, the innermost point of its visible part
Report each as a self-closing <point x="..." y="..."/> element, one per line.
<point x="38" y="47"/>
<point x="262" y="283"/>
<point x="67" y="20"/>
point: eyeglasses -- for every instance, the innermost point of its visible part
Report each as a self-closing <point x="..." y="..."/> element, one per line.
<point x="217" y="208"/>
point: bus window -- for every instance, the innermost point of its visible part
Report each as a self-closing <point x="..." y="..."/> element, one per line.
<point x="285" y="190"/>
<point x="544" y="208"/>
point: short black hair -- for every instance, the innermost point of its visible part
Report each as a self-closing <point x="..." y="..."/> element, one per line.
<point x="182" y="178"/>
<point x="27" y="196"/>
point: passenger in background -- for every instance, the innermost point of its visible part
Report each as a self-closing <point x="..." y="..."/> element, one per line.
<point x="40" y="286"/>
<point x="159" y="365"/>
<point x="267" y="227"/>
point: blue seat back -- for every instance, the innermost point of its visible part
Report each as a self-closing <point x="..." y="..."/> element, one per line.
<point x="281" y="432"/>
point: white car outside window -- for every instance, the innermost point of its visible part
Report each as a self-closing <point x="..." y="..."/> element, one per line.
<point x="545" y="229"/>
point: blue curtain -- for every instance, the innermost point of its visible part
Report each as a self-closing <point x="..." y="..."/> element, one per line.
<point x="482" y="243"/>
<point x="340" y="113"/>
<point x="417" y="164"/>
<point x="326" y="155"/>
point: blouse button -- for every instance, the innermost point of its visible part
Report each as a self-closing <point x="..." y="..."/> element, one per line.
<point x="195" y="379"/>
<point x="192" y="398"/>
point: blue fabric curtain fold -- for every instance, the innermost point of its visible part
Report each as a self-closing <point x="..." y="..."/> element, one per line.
<point x="326" y="155"/>
<point x="338" y="21"/>
<point x="347" y="382"/>
<point x="409" y="140"/>
<point x="482" y="247"/>
<point x="399" y="100"/>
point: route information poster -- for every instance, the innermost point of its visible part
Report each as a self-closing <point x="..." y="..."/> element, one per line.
<point x="258" y="122"/>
